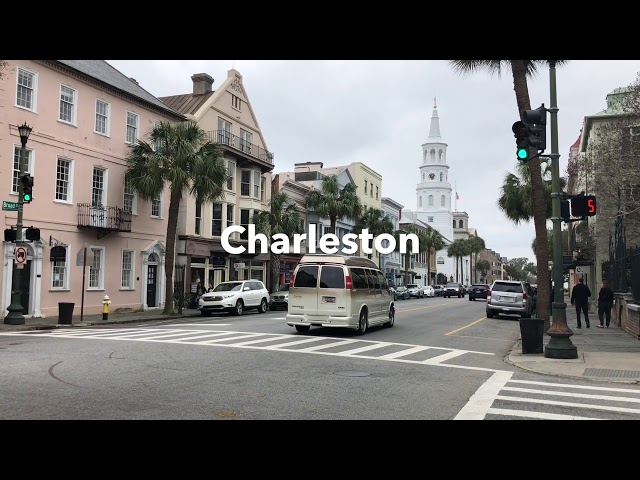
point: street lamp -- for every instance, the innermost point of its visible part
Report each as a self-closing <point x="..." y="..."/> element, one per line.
<point x="560" y="345"/>
<point x="15" y="316"/>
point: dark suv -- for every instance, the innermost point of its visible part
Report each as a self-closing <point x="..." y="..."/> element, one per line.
<point x="478" y="290"/>
<point x="453" y="289"/>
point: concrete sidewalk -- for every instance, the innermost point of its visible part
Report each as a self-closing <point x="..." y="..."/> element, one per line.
<point x="94" y="320"/>
<point x="604" y="354"/>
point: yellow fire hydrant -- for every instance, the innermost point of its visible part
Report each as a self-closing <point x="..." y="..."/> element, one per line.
<point x="105" y="307"/>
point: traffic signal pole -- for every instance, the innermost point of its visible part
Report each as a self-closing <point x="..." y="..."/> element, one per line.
<point x="15" y="316"/>
<point x="560" y="345"/>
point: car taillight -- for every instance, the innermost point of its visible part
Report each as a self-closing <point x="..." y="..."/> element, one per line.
<point x="524" y="297"/>
<point x="489" y="296"/>
<point x="293" y="277"/>
<point x="348" y="283"/>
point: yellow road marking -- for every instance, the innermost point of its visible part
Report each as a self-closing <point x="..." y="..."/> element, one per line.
<point x="422" y="308"/>
<point x="466" y="326"/>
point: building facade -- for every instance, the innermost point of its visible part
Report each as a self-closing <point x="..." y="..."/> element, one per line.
<point x="418" y="262"/>
<point x="461" y="232"/>
<point x="228" y="117"/>
<point x="390" y="262"/>
<point x="433" y="193"/>
<point x="495" y="271"/>
<point x="85" y="116"/>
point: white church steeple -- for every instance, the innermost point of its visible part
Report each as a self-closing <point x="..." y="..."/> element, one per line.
<point x="434" y="130"/>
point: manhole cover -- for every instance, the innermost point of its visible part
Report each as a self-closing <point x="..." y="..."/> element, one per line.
<point x="611" y="373"/>
<point x="352" y="374"/>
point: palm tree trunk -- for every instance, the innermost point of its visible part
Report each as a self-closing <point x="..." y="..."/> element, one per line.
<point x="429" y="267"/>
<point x="333" y="224"/>
<point x="537" y="199"/>
<point x="275" y="271"/>
<point x="172" y="225"/>
<point x="457" y="274"/>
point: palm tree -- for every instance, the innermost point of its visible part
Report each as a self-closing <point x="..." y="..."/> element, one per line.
<point x="334" y="202"/>
<point x="476" y="245"/>
<point x="521" y="71"/>
<point x="483" y="267"/>
<point x="283" y="217"/>
<point x="376" y="222"/>
<point x="408" y="255"/>
<point x="180" y="155"/>
<point x="457" y="249"/>
<point x="431" y="240"/>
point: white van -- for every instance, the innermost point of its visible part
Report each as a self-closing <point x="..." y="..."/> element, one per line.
<point x="339" y="291"/>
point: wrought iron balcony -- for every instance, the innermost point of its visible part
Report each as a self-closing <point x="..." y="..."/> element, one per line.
<point x="104" y="219"/>
<point x="222" y="137"/>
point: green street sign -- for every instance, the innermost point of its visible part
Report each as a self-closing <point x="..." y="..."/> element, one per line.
<point x="9" y="206"/>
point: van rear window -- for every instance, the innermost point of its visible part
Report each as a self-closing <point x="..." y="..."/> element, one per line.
<point x="306" y="277"/>
<point x="331" y="277"/>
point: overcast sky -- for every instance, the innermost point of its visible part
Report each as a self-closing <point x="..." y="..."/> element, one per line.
<point x="378" y="112"/>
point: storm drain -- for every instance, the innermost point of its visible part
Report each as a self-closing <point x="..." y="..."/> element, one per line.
<point x="611" y="373"/>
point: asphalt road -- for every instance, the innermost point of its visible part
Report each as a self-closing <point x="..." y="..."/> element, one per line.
<point x="442" y="360"/>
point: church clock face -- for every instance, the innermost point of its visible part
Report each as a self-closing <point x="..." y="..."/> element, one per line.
<point x="432" y="176"/>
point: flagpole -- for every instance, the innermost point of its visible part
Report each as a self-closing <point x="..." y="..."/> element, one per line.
<point x="455" y="184"/>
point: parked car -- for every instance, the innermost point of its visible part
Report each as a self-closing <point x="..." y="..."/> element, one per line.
<point x="428" y="291"/>
<point x="401" y="293"/>
<point x="510" y="298"/>
<point x="235" y="298"/>
<point x="438" y="290"/>
<point x="478" y="290"/>
<point x="280" y="299"/>
<point x="339" y="291"/>
<point x="453" y="289"/>
<point x="415" y="290"/>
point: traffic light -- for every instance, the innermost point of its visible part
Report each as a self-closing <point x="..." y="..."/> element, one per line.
<point x="32" y="234"/>
<point x="583" y="206"/>
<point x="519" y="130"/>
<point x="564" y="210"/>
<point x="27" y="188"/>
<point x="536" y="123"/>
<point x="9" y="235"/>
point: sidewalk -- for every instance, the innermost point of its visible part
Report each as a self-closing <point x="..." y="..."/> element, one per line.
<point x="92" y="320"/>
<point x="604" y="354"/>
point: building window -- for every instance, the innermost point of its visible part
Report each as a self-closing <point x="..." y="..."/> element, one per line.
<point x="371" y="191"/>
<point x="433" y="154"/>
<point x="377" y="193"/>
<point x="430" y="219"/>
<point x="245" y="183"/>
<point x="365" y="186"/>
<point x="231" y="172"/>
<point x="443" y="201"/>
<point x="68" y="104"/>
<point x="236" y="102"/>
<point x="102" y="117"/>
<point x="423" y="176"/>
<point x="441" y="176"/>
<point x="420" y="201"/>
<point x="129" y="196"/>
<point x="224" y="131"/>
<point x="245" y="141"/>
<point x="132" y="128"/>
<point x="229" y="215"/>
<point x="127" y="269"/>
<point x="97" y="190"/>
<point x="216" y="221"/>
<point x="26" y="89"/>
<point x="440" y="155"/>
<point x="197" y="228"/>
<point x="96" y="269"/>
<point x="156" y="205"/>
<point x="28" y="164"/>
<point x="256" y="184"/>
<point x="63" y="180"/>
<point x="244" y="222"/>
<point x="460" y="224"/>
<point x="454" y="224"/>
<point x="59" y="278"/>
<point x="263" y="191"/>
<point x="430" y="201"/>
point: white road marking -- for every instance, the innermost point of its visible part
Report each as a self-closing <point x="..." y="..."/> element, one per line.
<point x="443" y="358"/>
<point x="570" y="404"/>
<point x="365" y="348"/>
<point x="481" y="401"/>
<point x="208" y="335"/>
<point x="404" y="353"/>
<point x="583" y="387"/>
<point x="200" y="325"/>
<point x="271" y="339"/>
<point x="540" y="415"/>
<point x="237" y="337"/>
<point x="298" y="342"/>
<point x="327" y="345"/>
<point x="572" y="394"/>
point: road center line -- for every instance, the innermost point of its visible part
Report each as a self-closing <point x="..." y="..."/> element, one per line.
<point x="480" y="402"/>
<point x="466" y="326"/>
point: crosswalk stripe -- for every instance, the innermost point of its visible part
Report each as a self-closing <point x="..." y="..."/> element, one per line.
<point x="540" y="415"/>
<point x="481" y="401"/>
<point x="580" y="387"/>
<point x="443" y="358"/>
<point x="261" y="340"/>
<point x="404" y="353"/>
<point x="327" y="345"/>
<point x="364" y="349"/>
<point x="237" y="337"/>
<point x="570" y="404"/>
<point x="573" y="394"/>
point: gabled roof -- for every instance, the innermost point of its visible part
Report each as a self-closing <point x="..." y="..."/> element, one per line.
<point x="102" y="71"/>
<point x="187" y="104"/>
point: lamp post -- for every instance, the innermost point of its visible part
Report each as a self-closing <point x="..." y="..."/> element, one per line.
<point x="560" y="345"/>
<point x="15" y="316"/>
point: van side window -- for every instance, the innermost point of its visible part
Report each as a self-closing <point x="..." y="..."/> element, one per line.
<point x="358" y="278"/>
<point x="331" y="277"/>
<point x="382" y="281"/>
<point x="374" y="284"/>
<point x="307" y="277"/>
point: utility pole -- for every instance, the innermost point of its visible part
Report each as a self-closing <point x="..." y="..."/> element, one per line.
<point x="560" y="345"/>
<point x="15" y="316"/>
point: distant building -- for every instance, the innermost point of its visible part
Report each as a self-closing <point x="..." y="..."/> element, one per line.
<point x="390" y="263"/>
<point x="495" y="271"/>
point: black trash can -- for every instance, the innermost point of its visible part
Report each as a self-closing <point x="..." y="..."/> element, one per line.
<point x="65" y="313"/>
<point x="532" y="333"/>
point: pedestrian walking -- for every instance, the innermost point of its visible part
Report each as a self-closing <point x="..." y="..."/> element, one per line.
<point x="580" y="298"/>
<point x="605" y="304"/>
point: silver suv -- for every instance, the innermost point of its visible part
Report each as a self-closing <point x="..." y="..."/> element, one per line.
<point x="415" y="290"/>
<point x="235" y="298"/>
<point x="510" y="298"/>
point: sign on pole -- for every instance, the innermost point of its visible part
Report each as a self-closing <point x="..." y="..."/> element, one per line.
<point x="21" y="255"/>
<point x="10" y="206"/>
<point x="80" y="257"/>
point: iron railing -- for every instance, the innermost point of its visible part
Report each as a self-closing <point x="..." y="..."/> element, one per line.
<point x="222" y="137"/>
<point x="103" y="217"/>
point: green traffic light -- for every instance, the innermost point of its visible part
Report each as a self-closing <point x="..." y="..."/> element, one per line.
<point x="27" y="198"/>
<point x="522" y="153"/>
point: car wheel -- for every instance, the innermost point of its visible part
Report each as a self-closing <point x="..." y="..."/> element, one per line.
<point x="363" y="323"/>
<point x="392" y="318"/>
<point x="239" y="308"/>
<point x="263" y="306"/>
<point x="489" y="314"/>
<point x="470" y="298"/>
<point x="459" y="295"/>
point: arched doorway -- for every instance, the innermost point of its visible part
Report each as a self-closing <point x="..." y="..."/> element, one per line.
<point x="30" y="278"/>
<point x="153" y="259"/>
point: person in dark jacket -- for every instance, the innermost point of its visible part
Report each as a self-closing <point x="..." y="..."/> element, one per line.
<point x="605" y="304"/>
<point x="580" y="298"/>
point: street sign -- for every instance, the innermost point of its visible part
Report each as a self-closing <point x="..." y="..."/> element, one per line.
<point x="21" y="255"/>
<point x="9" y="206"/>
<point x="80" y="257"/>
<point x="238" y="266"/>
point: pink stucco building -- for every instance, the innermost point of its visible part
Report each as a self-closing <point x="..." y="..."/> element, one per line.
<point x="84" y="115"/>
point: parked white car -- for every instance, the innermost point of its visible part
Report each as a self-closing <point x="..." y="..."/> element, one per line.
<point x="428" y="291"/>
<point x="235" y="298"/>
